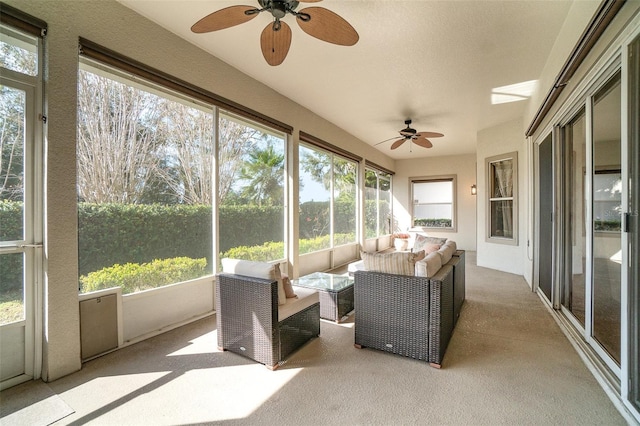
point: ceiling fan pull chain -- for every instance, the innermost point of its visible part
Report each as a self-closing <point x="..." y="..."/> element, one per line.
<point x="277" y="25"/>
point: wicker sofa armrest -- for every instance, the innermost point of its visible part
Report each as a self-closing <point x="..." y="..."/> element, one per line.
<point x="392" y="313"/>
<point x="441" y="318"/>
<point x="405" y="315"/>
<point x="248" y="324"/>
<point x="247" y="317"/>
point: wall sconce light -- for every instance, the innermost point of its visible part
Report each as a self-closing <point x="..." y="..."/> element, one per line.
<point x="474" y="189"/>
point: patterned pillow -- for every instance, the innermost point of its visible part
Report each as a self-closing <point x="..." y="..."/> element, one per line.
<point x="256" y="270"/>
<point x="422" y="241"/>
<point x="399" y="263"/>
<point x="288" y="287"/>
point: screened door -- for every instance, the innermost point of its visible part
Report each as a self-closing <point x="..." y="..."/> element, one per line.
<point x="20" y="195"/>
<point x="18" y="246"/>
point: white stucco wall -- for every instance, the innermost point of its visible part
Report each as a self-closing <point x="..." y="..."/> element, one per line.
<point x="497" y="140"/>
<point x="464" y="167"/>
<point x="118" y="28"/>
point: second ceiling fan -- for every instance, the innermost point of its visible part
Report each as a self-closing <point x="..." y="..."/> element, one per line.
<point x="275" y="39"/>
<point x="410" y="134"/>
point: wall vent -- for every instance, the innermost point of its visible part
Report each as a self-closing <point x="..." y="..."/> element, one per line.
<point x="99" y="331"/>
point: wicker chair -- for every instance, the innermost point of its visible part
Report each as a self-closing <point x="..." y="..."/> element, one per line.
<point x="251" y="323"/>
<point x="405" y="315"/>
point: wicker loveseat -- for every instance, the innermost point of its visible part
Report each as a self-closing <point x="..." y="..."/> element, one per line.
<point x="412" y="316"/>
<point x="253" y="321"/>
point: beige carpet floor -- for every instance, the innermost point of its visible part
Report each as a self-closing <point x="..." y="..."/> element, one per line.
<point x="507" y="363"/>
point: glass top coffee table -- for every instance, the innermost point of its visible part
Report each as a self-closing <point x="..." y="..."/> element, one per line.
<point x="335" y="291"/>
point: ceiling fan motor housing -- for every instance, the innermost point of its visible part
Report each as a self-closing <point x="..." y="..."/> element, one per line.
<point x="279" y="8"/>
<point x="408" y="132"/>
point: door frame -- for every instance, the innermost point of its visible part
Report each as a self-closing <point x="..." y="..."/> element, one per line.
<point x="31" y="245"/>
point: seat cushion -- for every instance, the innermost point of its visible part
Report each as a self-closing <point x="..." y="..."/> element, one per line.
<point x="306" y="297"/>
<point x="253" y="269"/>
<point x="355" y="266"/>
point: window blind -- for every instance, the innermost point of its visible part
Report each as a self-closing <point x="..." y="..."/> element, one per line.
<point x="109" y="57"/>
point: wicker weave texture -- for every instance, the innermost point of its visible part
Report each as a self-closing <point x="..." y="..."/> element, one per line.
<point x="247" y="310"/>
<point x="458" y="263"/>
<point x="336" y="304"/>
<point x="298" y="329"/>
<point x="248" y="317"/>
<point x="392" y="313"/>
<point x="441" y="313"/>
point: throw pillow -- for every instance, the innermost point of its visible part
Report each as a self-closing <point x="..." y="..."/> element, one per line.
<point x="399" y="263"/>
<point x="288" y="287"/>
<point x="422" y="241"/>
<point x="256" y="270"/>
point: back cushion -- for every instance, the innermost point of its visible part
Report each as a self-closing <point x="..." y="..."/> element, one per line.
<point x="399" y="263"/>
<point x="446" y="252"/>
<point x="429" y="266"/>
<point x="253" y="269"/>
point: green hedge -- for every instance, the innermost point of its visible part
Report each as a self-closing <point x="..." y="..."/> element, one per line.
<point x="134" y="277"/>
<point x="433" y="223"/>
<point x="607" y="225"/>
<point x="110" y="234"/>
<point x="10" y="230"/>
<point x="270" y="251"/>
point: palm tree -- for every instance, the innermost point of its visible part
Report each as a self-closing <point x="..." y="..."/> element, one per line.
<point x="264" y="172"/>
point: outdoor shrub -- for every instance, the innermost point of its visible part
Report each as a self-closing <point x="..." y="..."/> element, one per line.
<point x="133" y="277"/>
<point x="11" y="229"/>
<point x="433" y="223"/>
<point x="111" y="234"/>
<point x="607" y="225"/>
<point x="262" y="253"/>
<point x="275" y="250"/>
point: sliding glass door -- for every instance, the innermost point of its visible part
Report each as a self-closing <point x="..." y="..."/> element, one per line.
<point x="606" y="198"/>
<point x="575" y="277"/>
<point x="632" y="225"/>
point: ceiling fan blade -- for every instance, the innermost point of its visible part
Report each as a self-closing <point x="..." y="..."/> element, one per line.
<point x="429" y="134"/>
<point x="328" y="26"/>
<point x="386" y="140"/>
<point x="275" y="44"/>
<point x="423" y="142"/>
<point x="397" y="143"/>
<point x="224" y="18"/>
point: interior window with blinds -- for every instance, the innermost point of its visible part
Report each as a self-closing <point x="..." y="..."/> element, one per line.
<point x="502" y="201"/>
<point x="434" y="202"/>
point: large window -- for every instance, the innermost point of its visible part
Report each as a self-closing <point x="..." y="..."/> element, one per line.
<point x="251" y="190"/>
<point x="328" y="209"/>
<point x="502" y="214"/>
<point x="144" y="181"/>
<point x="377" y="200"/>
<point x="434" y="202"/>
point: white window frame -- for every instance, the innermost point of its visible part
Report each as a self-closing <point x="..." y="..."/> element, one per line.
<point x="513" y="240"/>
<point x="454" y="195"/>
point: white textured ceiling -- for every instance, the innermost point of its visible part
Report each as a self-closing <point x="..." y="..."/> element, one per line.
<point x="435" y="62"/>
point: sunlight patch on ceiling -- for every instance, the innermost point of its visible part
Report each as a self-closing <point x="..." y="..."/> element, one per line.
<point x="513" y="92"/>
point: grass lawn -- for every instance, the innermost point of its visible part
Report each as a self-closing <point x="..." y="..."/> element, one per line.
<point x="11" y="306"/>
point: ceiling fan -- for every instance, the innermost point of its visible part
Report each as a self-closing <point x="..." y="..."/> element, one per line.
<point x="409" y="134"/>
<point x="275" y="40"/>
